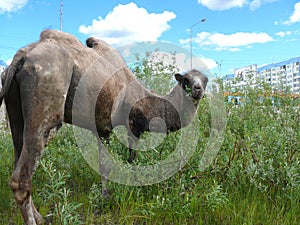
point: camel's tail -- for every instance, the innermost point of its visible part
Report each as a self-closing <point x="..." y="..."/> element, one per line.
<point x="6" y="81"/>
<point x="8" y="75"/>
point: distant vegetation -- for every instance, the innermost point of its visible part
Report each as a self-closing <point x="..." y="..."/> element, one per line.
<point x="254" y="179"/>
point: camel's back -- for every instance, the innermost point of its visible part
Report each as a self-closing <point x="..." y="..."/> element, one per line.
<point x="60" y="37"/>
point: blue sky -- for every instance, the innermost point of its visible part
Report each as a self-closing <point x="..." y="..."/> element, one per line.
<point x="236" y="33"/>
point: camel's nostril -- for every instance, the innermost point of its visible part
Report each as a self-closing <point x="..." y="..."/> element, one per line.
<point x="197" y="88"/>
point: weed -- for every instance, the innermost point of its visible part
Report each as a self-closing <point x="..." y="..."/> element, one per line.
<point x="254" y="179"/>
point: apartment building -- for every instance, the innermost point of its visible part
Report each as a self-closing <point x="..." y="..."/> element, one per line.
<point x="281" y="76"/>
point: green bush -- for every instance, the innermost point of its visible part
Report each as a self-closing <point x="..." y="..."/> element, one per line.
<point x="254" y="179"/>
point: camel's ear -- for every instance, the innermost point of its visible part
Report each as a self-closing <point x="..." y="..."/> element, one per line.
<point x="178" y="77"/>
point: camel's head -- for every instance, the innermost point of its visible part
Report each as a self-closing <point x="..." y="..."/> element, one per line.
<point x="193" y="82"/>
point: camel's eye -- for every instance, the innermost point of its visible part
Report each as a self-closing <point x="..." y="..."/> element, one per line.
<point x="186" y="81"/>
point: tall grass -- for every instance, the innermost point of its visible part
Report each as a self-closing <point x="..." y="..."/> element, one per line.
<point x="254" y="179"/>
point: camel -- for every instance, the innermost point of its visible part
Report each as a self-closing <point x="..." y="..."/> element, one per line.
<point x="41" y="89"/>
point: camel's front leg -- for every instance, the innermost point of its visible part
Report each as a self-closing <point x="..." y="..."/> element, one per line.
<point x="132" y="152"/>
<point x="104" y="171"/>
<point x="132" y="143"/>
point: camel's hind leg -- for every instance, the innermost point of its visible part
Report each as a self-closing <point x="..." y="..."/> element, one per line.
<point x="36" y="134"/>
<point x="14" y="110"/>
<point x="42" y="113"/>
<point x="21" y="181"/>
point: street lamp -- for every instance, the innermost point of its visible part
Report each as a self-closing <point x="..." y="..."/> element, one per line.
<point x="191" y="40"/>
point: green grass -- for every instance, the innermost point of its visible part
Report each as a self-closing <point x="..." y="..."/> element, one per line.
<point x="254" y="179"/>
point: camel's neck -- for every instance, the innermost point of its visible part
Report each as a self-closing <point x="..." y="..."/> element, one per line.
<point x="177" y="109"/>
<point x="185" y="106"/>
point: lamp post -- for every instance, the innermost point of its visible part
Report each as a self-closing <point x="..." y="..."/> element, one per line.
<point x="191" y="40"/>
<point x="61" y="14"/>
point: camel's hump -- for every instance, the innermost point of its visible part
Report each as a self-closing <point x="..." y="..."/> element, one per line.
<point x="59" y="36"/>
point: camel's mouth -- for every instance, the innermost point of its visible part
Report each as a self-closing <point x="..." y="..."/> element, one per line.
<point x="197" y="93"/>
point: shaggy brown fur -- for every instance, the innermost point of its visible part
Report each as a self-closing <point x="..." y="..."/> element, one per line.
<point x="58" y="79"/>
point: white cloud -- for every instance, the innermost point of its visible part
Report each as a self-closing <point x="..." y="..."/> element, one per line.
<point x="209" y="63"/>
<point x="284" y="33"/>
<point x="129" y="23"/>
<point x="11" y="5"/>
<point x="8" y="62"/>
<point x="231" y="42"/>
<point x="229" y="4"/>
<point x="255" y="4"/>
<point x="280" y="34"/>
<point x="221" y="4"/>
<point x="295" y="17"/>
<point x="234" y="49"/>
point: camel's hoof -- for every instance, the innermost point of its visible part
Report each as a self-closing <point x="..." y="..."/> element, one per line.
<point x="105" y="194"/>
<point x="48" y="219"/>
